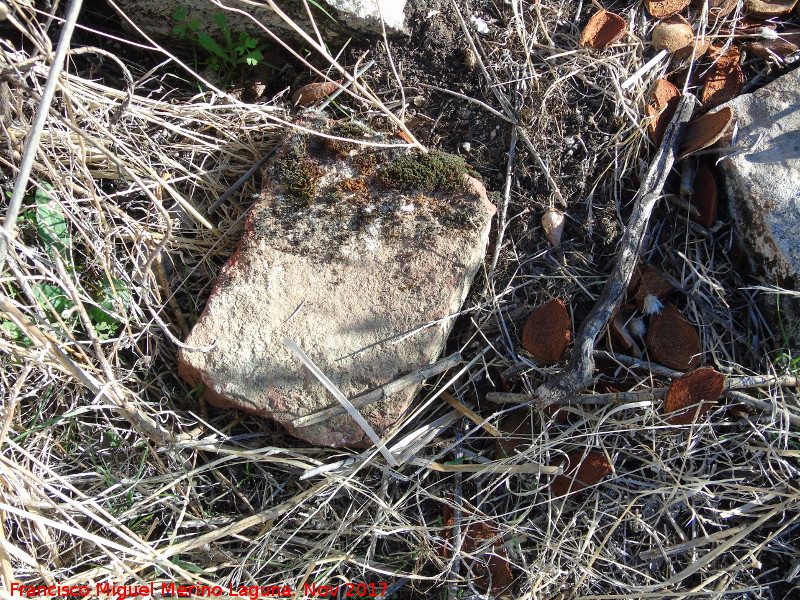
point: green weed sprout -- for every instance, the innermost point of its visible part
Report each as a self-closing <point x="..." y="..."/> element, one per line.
<point x="227" y="58"/>
<point x="52" y="229"/>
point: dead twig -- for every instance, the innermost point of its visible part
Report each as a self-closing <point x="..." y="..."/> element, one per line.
<point x="578" y="374"/>
<point x="382" y="392"/>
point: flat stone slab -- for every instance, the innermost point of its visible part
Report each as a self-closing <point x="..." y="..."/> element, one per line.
<point x="344" y="18"/>
<point x="763" y="184"/>
<point x="358" y="254"/>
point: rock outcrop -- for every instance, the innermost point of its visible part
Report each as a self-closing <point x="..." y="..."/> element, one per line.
<point x="763" y="185"/>
<point x="341" y="19"/>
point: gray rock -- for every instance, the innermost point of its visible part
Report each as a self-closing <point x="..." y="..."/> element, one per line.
<point x="347" y="17"/>
<point x="348" y="250"/>
<point x="763" y="185"/>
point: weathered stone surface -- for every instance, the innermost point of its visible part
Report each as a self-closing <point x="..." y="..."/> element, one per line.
<point x="352" y="17"/>
<point x="763" y="185"/>
<point x="348" y="249"/>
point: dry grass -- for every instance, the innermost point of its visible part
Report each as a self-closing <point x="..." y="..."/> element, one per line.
<point x="111" y="470"/>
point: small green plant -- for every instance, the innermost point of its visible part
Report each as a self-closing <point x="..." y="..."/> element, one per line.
<point x="228" y="58"/>
<point x="52" y="229"/>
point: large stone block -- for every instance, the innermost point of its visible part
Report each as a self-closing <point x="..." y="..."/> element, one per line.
<point x="360" y="255"/>
<point x="763" y="185"/>
<point x="344" y="18"/>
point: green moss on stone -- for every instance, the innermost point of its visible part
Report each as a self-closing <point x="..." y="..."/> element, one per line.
<point x="298" y="174"/>
<point x="431" y="172"/>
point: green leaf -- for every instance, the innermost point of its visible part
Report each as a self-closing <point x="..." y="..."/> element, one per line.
<point x="324" y="11"/>
<point x="220" y="20"/>
<point x="253" y="58"/>
<point x="114" y="296"/>
<point x="179" y="30"/>
<point x="180" y="13"/>
<point x="246" y="41"/>
<point x="58" y="298"/>
<point x="51" y="224"/>
<point x="222" y="23"/>
<point x="194" y="25"/>
<point x="211" y="45"/>
<point x="14" y="332"/>
<point x="191" y="567"/>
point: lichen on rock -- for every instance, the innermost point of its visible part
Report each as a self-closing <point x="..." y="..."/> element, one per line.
<point x="345" y="252"/>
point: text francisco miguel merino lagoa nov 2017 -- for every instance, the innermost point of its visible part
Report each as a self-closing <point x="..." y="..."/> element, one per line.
<point x="174" y="590"/>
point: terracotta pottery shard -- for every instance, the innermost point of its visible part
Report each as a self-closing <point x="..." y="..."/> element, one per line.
<point x="704" y="196"/>
<point x="546" y="333"/>
<point x="705" y="131"/>
<point x="665" y="102"/>
<point x="768" y="8"/>
<point x="619" y="331"/>
<point x="603" y="29"/>
<point x="664" y="93"/>
<point x="314" y="91"/>
<point x="723" y="83"/>
<point x="770" y="49"/>
<point x="581" y="470"/>
<point x="747" y="25"/>
<point x="661" y="9"/>
<point x="717" y="8"/>
<point x="492" y="572"/>
<point x="702" y="387"/>
<point x="672" y="34"/>
<point x="672" y="340"/>
<point x="652" y="283"/>
<point x="722" y="56"/>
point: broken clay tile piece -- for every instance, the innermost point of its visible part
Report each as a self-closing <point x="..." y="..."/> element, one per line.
<point x="704" y="196"/>
<point x="768" y="8"/>
<point x="492" y="571"/>
<point x="314" y="91"/>
<point x="672" y="340"/>
<point x="636" y="278"/>
<point x="705" y="131"/>
<point x="620" y="332"/>
<point x="699" y="389"/>
<point x="603" y="29"/>
<point x="581" y="470"/>
<point x="723" y="83"/>
<point x="664" y="92"/>
<point x="661" y="9"/>
<point x="717" y="8"/>
<point x="672" y="34"/>
<point x="722" y="56"/>
<point x="767" y="49"/>
<point x="546" y="333"/>
<point x="652" y="283"/>
<point x="747" y="25"/>
<point x="665" y="102"/>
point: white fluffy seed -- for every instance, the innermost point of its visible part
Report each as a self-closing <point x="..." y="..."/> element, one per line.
<point x="480" y="25"/>
<point x="652" y="305"/>
<point x="637" y="327"/>
<point x="768" y="34"/>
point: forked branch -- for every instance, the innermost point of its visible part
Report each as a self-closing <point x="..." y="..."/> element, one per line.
<point x="578" y="375"/>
